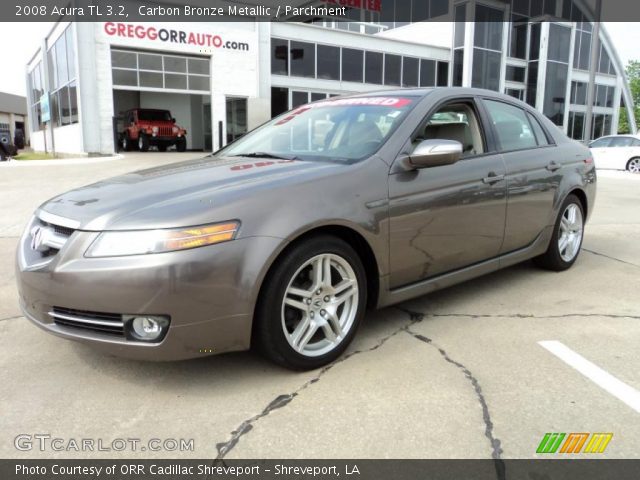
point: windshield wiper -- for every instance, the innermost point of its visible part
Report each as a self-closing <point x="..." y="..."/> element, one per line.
<point x="264" y="155"/>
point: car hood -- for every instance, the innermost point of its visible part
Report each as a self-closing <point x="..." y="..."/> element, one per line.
<point x="180" y="194"/>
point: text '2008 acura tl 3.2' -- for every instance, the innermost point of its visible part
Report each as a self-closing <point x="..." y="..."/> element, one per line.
<point x="282" y="239"/>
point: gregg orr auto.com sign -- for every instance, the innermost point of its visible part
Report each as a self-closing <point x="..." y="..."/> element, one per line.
<point x="146" y="32"/>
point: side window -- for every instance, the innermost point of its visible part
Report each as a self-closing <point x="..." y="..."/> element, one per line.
<point x="511" y="125"/>
<point x="541" y="137"/>
<point x="635" y="143"/>
<point x="454" y="121"/>
<point x="620" y="142"/>
<point x="600" y="143"/>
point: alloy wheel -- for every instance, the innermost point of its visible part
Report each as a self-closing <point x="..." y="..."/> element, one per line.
<point x="320" y="305"/>
<point x="634" y="165"/>
<point x="570" y="232"/>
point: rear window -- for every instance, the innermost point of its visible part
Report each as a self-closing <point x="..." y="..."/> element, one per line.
<point x="600" y="143"/>
<point x="620" y="142"/>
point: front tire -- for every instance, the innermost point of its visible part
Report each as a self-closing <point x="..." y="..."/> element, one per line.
<point x="181" y="144"/>
<point x="312" y="304"/>
<point x="143" y="142"/>
<point x="633" y="165"/>
<point x="567" y="237"/>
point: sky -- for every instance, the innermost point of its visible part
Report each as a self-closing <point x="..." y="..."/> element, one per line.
<point x="21" y="40"/>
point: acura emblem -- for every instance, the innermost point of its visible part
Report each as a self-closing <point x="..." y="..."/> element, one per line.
<point x="38" y="239"/>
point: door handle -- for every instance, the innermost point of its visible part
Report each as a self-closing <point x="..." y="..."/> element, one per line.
<point x="492" y="178"/>
<point x="553" y="166"/>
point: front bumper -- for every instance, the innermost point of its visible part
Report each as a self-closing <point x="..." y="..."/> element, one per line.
<point x="209" y="294"/>
<point x="163" y="139"/>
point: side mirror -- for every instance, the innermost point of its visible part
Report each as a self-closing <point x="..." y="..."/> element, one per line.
<point x="433" y="153"/>
<point x="173" y="120"/>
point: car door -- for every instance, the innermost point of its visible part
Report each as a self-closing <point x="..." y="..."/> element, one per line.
<point x="447" y="217"/>
<point x="620" y="151"/>
<point x="533" y="171"/>
<point x="600" y="151"/>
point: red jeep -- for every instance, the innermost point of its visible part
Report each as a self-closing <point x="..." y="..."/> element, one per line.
<point x="145" y="127"/>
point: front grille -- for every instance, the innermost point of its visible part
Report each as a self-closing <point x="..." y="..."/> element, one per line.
<point x="66" y="231"/>
<point x="165" y="131"/>
<point x="106" y="323"/>
<point x="57" y="239"/>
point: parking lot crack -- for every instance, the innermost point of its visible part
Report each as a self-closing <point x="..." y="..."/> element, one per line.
<point x="283" y="400"/>
<point x="10" y="318"/>
<point x="496" y="448"/>
<point x="611" y="258"/>
<point x="518" y="315"/>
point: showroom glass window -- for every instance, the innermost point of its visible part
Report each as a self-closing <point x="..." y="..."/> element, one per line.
<point x="140" y="70"/>
<point x="328" y="62"/>
<point x="373" y="67"/>
<point x="487" y="48"/>
<point x="458" y="43"/>
<point x="352" y="65"/>
<point x="410" y="70"/>
<point x="279" y="56"/>
<point x="557" y="72"/>
<point x="303" y="59"/>
<point x="63" y="102"/>
<point x="392" y="70"/>
<point x="36" y="90"/>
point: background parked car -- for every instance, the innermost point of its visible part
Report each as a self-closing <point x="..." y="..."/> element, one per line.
<point x="618" y="152"/>
<point x="7" y="149"/>
<point x="145" y="127"/>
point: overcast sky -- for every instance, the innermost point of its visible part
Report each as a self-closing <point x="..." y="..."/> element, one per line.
<point x="21" y="40"/>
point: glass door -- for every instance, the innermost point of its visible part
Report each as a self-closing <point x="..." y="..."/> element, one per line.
<point x="236" y="118"/>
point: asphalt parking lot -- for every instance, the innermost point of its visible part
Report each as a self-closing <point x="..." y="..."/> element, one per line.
<point x="456" y="374"/>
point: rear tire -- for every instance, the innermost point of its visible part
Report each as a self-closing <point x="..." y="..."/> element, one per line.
<point x="143" y="142"/>
<point x="566" y="240"/>
<point x="312" y="303"/>
<point x="181" y="144"/>
<point x="633" y="165"/>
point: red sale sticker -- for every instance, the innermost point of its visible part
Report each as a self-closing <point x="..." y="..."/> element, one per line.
<point x="390" y="102"/>
<point x="373" y="101"/>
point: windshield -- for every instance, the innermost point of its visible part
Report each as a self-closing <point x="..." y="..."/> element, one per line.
<point x="154" y="115"/>
<point x="346" y="129"/>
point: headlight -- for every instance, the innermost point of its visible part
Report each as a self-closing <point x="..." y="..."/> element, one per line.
<point x="176" y="129"/>
<point x="154" y="129"/>
<point x="141" y="242"/>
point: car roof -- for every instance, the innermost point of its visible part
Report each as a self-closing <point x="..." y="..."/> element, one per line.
<point x="421" y="92"/>
<point x="629" y="135"/>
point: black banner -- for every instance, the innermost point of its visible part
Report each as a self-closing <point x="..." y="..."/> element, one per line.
<point x="378" y="11"/>
<point x="539" y="469"/>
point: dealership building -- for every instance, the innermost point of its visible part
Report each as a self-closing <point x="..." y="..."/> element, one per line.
<point x="220" y="79"/>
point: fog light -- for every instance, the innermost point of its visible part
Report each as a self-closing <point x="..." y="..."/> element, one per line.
<point x="148" y="328"/>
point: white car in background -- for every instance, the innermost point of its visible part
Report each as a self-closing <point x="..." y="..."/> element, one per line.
<point x="617" y="152"/>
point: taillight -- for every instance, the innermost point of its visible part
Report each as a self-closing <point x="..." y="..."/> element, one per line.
<point x="588" y="160"/>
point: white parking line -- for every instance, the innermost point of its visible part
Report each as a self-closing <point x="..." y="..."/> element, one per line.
<point x="604" y="380"/>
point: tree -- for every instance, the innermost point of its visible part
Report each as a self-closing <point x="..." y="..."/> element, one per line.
<point x="633" y="77"/>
